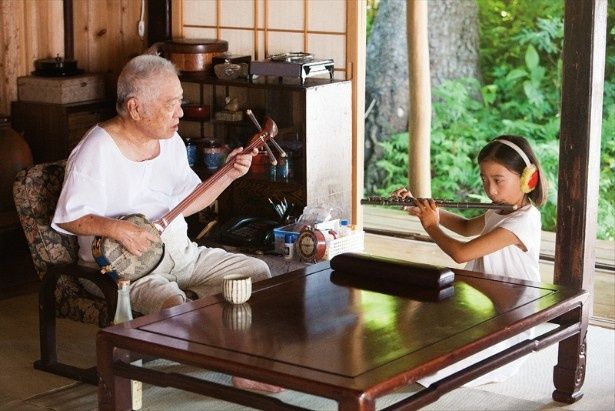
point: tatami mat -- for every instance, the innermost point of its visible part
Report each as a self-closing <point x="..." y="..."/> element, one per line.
<point x="23" y="388"/>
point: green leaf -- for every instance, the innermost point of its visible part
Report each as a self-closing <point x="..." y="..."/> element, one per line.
<point x="537" y="74"/>
<point x="516" y="74"/>
<point x="531" y="57"/>
<point x="489" y="94"/>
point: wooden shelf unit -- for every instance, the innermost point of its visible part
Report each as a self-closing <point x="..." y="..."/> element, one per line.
<point x="315" y="128"/>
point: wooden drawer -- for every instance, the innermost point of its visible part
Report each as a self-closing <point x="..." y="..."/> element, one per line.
<point x="53" y="130"/>
<point x="80" y="122"/>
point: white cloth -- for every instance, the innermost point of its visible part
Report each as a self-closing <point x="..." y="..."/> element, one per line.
<point x="511" y="262"/>
<point x="100" y="180"/>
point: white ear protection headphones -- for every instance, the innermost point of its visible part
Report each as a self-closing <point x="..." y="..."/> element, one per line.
<point x="529" y="177"/>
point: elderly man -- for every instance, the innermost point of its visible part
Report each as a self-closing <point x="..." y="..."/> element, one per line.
<point x="136" y="163"/>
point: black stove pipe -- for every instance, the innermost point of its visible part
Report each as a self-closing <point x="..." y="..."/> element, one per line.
<point x="69" y="39"/>
<point x="159" y="21"/>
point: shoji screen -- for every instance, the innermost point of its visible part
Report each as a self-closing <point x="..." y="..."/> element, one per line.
<point x="261" y="28"/>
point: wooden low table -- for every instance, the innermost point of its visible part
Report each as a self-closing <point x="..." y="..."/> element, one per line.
<point x="308" y="332"/>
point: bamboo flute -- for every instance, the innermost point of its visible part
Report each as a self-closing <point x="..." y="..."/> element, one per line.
<point x="410" y="201"/>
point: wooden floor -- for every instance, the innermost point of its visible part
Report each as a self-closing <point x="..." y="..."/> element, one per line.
<point x="17" y="274"/>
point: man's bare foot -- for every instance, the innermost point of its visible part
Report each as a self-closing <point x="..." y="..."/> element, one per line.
<point x="255" y="385"/>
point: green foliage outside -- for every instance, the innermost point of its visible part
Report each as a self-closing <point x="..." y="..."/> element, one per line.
<point x="372" y="10"/>
<point x="521" y="63"/>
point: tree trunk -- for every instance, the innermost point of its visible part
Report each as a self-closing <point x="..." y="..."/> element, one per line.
<point x="453" y="40"/>
<point x="386" y="85"/>
<point x="453" y="50"/>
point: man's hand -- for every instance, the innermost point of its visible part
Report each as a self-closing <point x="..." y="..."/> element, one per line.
<point x="241" y="162"/>
<point x="135" y="239"/>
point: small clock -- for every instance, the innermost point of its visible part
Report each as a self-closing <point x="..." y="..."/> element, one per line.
<point x="311" y="244"/>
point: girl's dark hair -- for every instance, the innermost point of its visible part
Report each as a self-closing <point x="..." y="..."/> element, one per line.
<point x="509" y="158"/>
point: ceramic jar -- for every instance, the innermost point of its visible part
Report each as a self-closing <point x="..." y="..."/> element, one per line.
<point x="15" y="155"/>
<point x="214" y="154"/>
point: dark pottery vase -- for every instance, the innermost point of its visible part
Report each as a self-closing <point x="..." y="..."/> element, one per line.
<point x="15" y="155"/>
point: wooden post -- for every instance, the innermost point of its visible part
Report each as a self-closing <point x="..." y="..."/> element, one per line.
<point x="419" y="114"/>
<point x="69" y="37"/>
<point x="355" y="70"/>
<point x="579" y="167"/>
<point x="159" y="18"/>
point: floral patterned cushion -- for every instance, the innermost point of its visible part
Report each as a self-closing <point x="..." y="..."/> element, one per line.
<point x="36" y="191"/>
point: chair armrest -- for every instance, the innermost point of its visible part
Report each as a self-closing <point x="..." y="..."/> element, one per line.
<point x="105" y="283"/>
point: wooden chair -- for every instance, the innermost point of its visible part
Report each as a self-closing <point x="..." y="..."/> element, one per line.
<point x="36" y="191"/>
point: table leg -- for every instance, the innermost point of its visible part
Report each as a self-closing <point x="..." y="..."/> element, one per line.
<point x="114" y="392"/>
<point x="361" y="403"/>
<point x="569" y="372"/>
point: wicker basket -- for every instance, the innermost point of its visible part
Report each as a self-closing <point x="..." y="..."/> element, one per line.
<point x="354" y="242"/>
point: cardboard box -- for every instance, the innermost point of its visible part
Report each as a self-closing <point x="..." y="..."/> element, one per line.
<point x="61" y="90"/>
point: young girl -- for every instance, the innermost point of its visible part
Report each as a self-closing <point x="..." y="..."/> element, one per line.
<point x="506" y="243"/>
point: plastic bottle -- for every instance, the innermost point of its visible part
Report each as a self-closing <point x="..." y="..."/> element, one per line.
<point x="123" y="312"/>
<point x="344" y="229"/>
<point x="289" y="246"/>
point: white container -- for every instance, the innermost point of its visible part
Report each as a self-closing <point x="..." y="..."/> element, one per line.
<point x="354" y="242"/>
<point x="328" y="225"/>
<point x="289" y="246"/>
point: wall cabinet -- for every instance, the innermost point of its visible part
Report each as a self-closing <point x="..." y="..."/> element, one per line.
<point x="53" y="130"/>
<point x="315" y="129"/>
